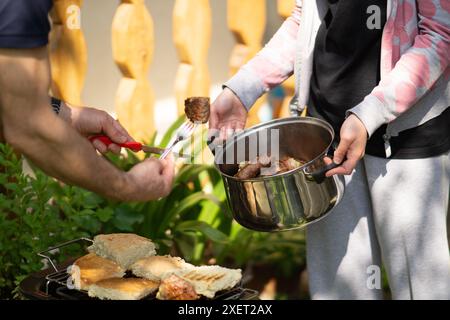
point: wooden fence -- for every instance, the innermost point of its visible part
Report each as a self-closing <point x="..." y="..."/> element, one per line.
<point x="132" y="46"/>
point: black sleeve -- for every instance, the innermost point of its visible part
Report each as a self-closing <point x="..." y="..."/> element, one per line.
<point x="24" y="23"/>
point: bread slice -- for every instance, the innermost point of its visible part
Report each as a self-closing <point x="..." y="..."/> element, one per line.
<point x="152" y="268"/>
<point x="123" y="289"/>
<point x="91" y="268"/>
<point x="208" y="280"/>
<point x="123" y="248"/>
<point x="175" y="288"/>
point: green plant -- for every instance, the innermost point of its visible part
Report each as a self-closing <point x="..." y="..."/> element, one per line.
<point x="193" y="221"/>
<point x="34" y="216"/>
<point x="37" y="212"/>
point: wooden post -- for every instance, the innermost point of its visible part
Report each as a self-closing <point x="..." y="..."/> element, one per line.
<point x="68" y="53"/>
<point x="247" y="21"/>
<point x="132" y="46"/>
<point x="192" y="36"/>
<point x="285" y="8"/>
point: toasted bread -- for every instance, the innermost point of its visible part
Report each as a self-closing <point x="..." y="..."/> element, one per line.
<point x="152" y="268"/>
<point x="91" y="268"/>
<point x="123" y="289"/>
<point x="175" y="288"/>
<point x="123" y="248"/>
<point x="207" y="280"/>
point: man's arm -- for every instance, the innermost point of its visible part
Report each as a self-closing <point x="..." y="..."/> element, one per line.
<point x="30" y="125"/>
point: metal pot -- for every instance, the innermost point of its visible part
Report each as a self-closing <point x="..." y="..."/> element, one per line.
<point x="288" y="200"/>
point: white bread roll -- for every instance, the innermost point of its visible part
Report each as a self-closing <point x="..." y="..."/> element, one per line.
<point x="123" y="248"/>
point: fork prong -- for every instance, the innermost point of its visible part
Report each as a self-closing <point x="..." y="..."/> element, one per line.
<point x="185" y="127"/>
<point x="190" y="129"/>
<point x="191" y="126"/>
<point x="182" y="127"/>
<point x="188" y="125"/>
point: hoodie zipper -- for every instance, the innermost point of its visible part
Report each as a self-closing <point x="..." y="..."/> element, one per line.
<point x="387" y="145"/>
<point x="387" y="135"/>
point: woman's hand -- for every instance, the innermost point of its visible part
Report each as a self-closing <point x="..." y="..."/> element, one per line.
<point x="351" y="146"/>
<point x="228" y="115"/>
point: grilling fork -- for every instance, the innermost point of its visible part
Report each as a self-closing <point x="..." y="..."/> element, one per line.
<point x="131" y="145"/>
<point x="183" y="132"/>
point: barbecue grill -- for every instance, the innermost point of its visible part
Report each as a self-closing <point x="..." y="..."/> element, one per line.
<point x="54" y="283"/>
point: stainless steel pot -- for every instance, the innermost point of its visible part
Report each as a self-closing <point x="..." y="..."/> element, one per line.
<point x="288" y="200"/>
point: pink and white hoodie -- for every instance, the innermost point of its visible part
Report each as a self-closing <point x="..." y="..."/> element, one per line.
<point x="415" y="59"/>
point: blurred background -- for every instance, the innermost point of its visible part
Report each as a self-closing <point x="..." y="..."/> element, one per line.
<point x="103" y="76"/>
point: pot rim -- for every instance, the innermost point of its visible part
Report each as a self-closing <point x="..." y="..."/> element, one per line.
<point x="286" y="120"/>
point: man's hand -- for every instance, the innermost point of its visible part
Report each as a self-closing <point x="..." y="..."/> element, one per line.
<point x="353" y="144"/>
<point x="90" y="121"/>
<point x="228" y="114"/>
<point x="150" y="179"/>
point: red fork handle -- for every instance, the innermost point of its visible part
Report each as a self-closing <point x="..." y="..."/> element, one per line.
<point x="132" y="145"/>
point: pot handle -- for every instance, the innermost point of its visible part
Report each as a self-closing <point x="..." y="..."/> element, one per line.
<point x="319" y="175"/>
<point x="211" y="145"/>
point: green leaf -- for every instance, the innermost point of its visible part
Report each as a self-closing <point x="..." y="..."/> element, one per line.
<point x="87" y="212"/>
<point x="153" y="213"/>
<point x="105" y="214"/>
<point x="185" y="204"/>
<point x="12" y="186"/>
<point x="191" y="172"/>
<point x="125" y="218"/>
<point x="203" y="227"/>
<point x="91" y="200"/>
<point x="171" y="131"/>
<point x="186" y="244"/>
<point x="87" y="222"/>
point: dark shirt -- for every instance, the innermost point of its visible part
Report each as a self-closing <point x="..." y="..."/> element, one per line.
<point x="427" y="140"/>
<point x="24" y="23"/>
<point x="347" y="68"/>
<point x="346" y="59"/>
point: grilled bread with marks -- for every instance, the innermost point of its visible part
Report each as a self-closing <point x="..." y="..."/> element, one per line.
<point x="123" y="248"/>
<point x="123" y="289"/>
<point x="152" y="268"/>
<point x="207" y="280"/>
<point x="175" y="288"/>
<point x="91" y="268"/>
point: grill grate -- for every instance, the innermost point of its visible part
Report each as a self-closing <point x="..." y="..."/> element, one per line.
<point x="54" y="282"/>
<point x="57" y="278"/>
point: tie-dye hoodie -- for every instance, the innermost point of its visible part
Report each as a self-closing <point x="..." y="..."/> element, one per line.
<point x="415" y="56"/>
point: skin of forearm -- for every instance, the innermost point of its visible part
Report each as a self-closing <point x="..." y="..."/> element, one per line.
<point x="30" y="125"/>
<point x="61" y="152"/>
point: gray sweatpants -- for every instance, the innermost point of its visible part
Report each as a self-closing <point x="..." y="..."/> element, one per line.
<point x="393" y="212"/>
